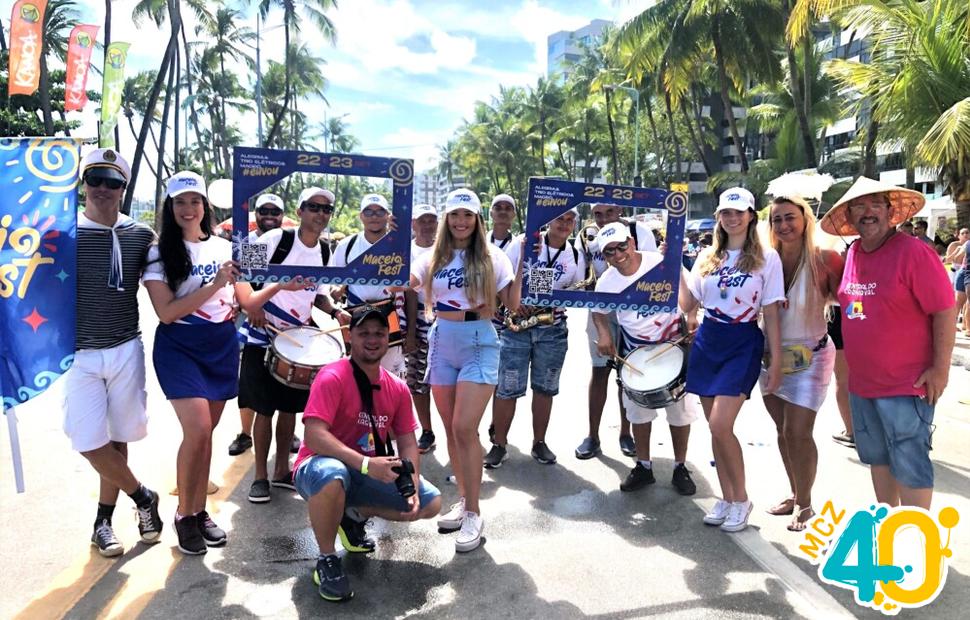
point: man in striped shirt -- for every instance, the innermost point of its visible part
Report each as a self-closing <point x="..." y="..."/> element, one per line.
<point x="104" y="392"/>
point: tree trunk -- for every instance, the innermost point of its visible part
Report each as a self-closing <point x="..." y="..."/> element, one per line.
<point x="193" y="113"/>
<point x="869" y="150"/>
<point x="278" y="116"/>
<point x="800" y="105"/>
<point x="673" y="137"/>
<point x="722" y="79"/>
<point x="175" y="126"/>
<point x="609" y="123"/>
<point x="693" y="137"/>
<point x="169" y="94"/>
<point x="661" y="177"/>
<point x="63" y="115"/>
<point x="134" y="134"/>
<point x="542" y="143"/>
<point x="45" y="90"/>
<point x="227" y="164"/>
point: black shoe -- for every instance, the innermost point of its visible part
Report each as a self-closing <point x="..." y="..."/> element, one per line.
<point x="294" y="445"/>
<point x="286" y="482"/>
<point x="240" y="444"/>
<point x="682" y="481"/>
<point x="104" y="539"/>
<point x="259" y="492"/>
<point x="627" y="446"/>
<point x="542" y="453"/>
<point x="149" y="522"/>
<point x="638" y="478"/>
<point x="353" y="536"/>
<point x="426" y="442"/>
<point x="329" y="576"/>
<point x="495" y="457"/>
<point x="588" y="449"/>
<point x="491" y="433"/>
<point x="212" y="534"/>
<point x="190" y="535"/>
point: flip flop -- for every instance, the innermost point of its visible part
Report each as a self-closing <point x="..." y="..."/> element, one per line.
<point x="799" y="523"/>
<point x="784" y="507"/>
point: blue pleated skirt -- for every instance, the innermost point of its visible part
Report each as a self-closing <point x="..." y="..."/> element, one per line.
<point x="197" y="361"/>
<point x="725" y="359"/>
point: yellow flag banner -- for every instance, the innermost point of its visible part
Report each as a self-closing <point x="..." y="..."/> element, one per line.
<point x="112" y="87"/>
<point x="26" y="38"/>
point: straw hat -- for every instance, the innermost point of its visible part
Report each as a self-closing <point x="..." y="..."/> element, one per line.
<point x="903" y="204"/>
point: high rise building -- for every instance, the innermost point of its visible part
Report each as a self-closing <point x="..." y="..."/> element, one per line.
<point x="564" y="47"/>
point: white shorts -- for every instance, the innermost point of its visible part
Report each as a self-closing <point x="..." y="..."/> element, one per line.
<point x="592" y="335"/>
<point x="104" y="396"/>
<point x="395" y="362"/>
<point x="681" y="413"/>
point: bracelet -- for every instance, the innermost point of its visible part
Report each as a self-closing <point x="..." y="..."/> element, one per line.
<point x="363" y="465"/>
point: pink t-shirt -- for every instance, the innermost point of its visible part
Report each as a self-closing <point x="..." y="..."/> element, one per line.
<point x="888" y="297"/>
<point x="334" y="399"/>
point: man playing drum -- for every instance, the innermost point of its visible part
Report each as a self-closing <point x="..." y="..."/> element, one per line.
<point x="638" y="329"/>
<point x="289" y="307"/>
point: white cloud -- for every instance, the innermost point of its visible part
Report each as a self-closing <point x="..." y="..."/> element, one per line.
<point x="421" y="146"/>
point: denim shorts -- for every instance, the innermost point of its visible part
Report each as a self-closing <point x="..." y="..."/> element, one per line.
<point x="592" y="336"/>
<point x="961" y="281"/>
<point x="462" y="351"/>
<point x="542" y="347"/>
<point x="361" y="491"/>
<point x="896" y="431"/>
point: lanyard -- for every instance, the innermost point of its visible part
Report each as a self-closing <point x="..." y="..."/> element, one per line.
<point x="551" y="262"/>
<point x="504" y="242"/>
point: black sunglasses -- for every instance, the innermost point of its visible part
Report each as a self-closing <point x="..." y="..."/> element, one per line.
<point x="619" y="247"/>
<point x="269" y="211"/>
<point x="313" y="207"/>
<point x="94" y="181"/>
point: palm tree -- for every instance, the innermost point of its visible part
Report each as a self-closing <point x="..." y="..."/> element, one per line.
<point x="542" y="103"/>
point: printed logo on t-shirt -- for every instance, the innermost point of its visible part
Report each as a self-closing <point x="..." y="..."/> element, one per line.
<point x="455" y="277"/>
<point x="366" y="443"/>
<point x="207" y="271"/>
<point x="730" y="277"/>
<point x="854" y="311"/>
<point x="860" y="289"/>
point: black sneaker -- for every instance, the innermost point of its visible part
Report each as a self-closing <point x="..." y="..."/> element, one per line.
<point x="149" y="522"/>
<point x="294" y="445"/>
<point x="353" y="536"/>
<point x="286" y="482"/>
<point x="240" y="444"/>
<point x="212" y="534"/>
<point x="638" y="478"/>
<point x="259" y="492"/>
<point x="845" y="439"/>
<point x="190" y="535"/>
<point x="588" y="449"/>
<point x="542" y="453"/>
<point x="627" y="446"/>
<point x="682" y="481"/>
<point x="491" y="433"/>
<point x="495" y="457"/>
<point x="332" y="584"/>
<point x="105" y="540"/>
<point x="426" y="442"/>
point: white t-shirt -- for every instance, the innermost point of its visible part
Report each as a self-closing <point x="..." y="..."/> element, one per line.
<point x="638" y="327"/>
<point x="416" y="252"/>
<point x="295" y="303"/>
<point x="503" y="244"/>
<point x="645" y="243"/>
<point x="448" y="287"/>
<point x="569" y="266"/>
<point x="356" y="293"/>
<point x="207" y="257"/>
<point x="732" y="296"/>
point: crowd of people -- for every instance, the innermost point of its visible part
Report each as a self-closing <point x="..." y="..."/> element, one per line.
<point x="780" y="312"/>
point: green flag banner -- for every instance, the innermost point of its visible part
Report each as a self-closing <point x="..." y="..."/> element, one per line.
<point x="114" y="84"/>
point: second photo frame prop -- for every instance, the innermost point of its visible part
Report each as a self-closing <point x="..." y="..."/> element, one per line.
<point x="655" y="292"/>
<point x="386" y="263"/>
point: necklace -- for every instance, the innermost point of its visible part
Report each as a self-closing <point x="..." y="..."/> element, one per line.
<point x="790" y="281"/>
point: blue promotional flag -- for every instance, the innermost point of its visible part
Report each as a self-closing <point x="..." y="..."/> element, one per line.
<point x="38" y="223"/>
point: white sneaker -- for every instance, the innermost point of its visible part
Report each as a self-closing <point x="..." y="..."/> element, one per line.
<point x="470" y="535"/>
<point x="718" y="513"/>
<point x="737" y="517"/>
<point x="452" y="519"/>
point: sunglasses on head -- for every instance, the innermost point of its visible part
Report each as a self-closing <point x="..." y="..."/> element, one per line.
<point x="94" y="181"/>
<point x="619" y="247"/>
<point x="269" y="211"/>
<point x="313" y="207"/>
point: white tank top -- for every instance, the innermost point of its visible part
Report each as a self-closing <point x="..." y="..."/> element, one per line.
<point x="803" y="315"/>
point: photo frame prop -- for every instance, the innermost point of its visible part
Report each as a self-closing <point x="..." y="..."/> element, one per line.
<point x="655" y="292"/>
<point x="386" y="263"/>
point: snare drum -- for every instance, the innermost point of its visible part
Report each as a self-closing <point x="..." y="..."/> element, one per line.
<point x="395" y="335"/>
<point x="662" y="376"/>
<point x="295" y="355"/>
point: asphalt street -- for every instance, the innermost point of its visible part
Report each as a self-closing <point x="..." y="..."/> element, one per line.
<point x="562" y="540"/>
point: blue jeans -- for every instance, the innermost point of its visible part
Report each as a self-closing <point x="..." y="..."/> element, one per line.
<point x="361" y="491"/>
<point x="542" y="347"/>
<point x="895" y="431"/>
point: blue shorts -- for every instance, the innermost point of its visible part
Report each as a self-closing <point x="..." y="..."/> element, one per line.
<point x="361" y="491"/>
<point x="896" y="431"/>
<point x="462" y="351"/>
<point x="960" y="281"/>
<point x="544" y="347"/>
<point x="592" y="336"/>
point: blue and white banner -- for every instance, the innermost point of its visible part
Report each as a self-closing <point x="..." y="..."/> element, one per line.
<point x="38" y="223"/>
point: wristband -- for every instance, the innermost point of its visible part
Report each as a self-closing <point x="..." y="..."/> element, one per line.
<point x="363" y="465"/>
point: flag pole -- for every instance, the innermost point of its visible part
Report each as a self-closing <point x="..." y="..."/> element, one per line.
<point x="18" y="466"/>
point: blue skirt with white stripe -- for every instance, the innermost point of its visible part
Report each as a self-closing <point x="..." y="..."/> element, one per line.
<point x="197" y="361"/>
<point x="725" y="359"/>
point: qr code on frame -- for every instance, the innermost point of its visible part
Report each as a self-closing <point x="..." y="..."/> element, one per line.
<point x="540" y="281"/>
<point x="254" y="256"/>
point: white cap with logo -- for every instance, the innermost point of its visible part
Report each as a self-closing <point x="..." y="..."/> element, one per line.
<point x="503" y="198"/>
<point x="269" y="199"/>
<point x="736" y="198"/>
<point x="423" y="209"/>
<point x="313" y="192"/>
<point x="612" y="233"/>
<point x="462" y="199"/>
<point x="185" y="181"/>
<point x="374" y="199"/>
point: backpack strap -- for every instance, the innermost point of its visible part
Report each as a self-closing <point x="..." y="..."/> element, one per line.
<point x="284" y="247"/>
<point x="633" y="233"/>
<point x="350" y="244"/>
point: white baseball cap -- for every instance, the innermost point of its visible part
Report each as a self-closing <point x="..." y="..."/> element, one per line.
<point x="313" y="192"/>
<point x="612" y="233"/>
<point x="269" y="199"/>
<point x="374" y="199"/>
<point x="462" y="199"/>
<point x="503" y="198"/>
<point x="736" y="198"/>
<point x="423" y="209"/>
<point x="186" y="181"/>
<point x="106" y="163"/>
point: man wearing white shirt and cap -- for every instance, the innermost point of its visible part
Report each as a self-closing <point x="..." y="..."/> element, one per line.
<point x="424" y="225"/>
<point x="501" y="214"/>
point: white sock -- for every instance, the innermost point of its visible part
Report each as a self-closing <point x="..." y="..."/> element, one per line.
<point x="648" y="464"/>
<point x="351" y="512"/>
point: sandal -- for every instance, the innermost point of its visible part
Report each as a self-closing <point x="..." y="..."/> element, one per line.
<point x="784" y="507"/>
<point x="800" y="522"/>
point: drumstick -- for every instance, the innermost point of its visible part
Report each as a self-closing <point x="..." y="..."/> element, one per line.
<point x="284" y="335"/>
<point x="624" y="362"/>
<point x="331" y="330"/>
<point x="665" y="349"/>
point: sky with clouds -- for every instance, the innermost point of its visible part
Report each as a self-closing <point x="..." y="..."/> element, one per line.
<point x="404" y="72"/>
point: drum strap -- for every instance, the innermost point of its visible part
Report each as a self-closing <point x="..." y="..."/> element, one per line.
<point x="281" y="314"/>
<point x="366" y="389"/>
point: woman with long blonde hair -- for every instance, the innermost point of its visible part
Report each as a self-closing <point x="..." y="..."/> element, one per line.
<point x="735" y="280"/>
<point x="464" y="277"/>
<point x="811" y="278"/>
